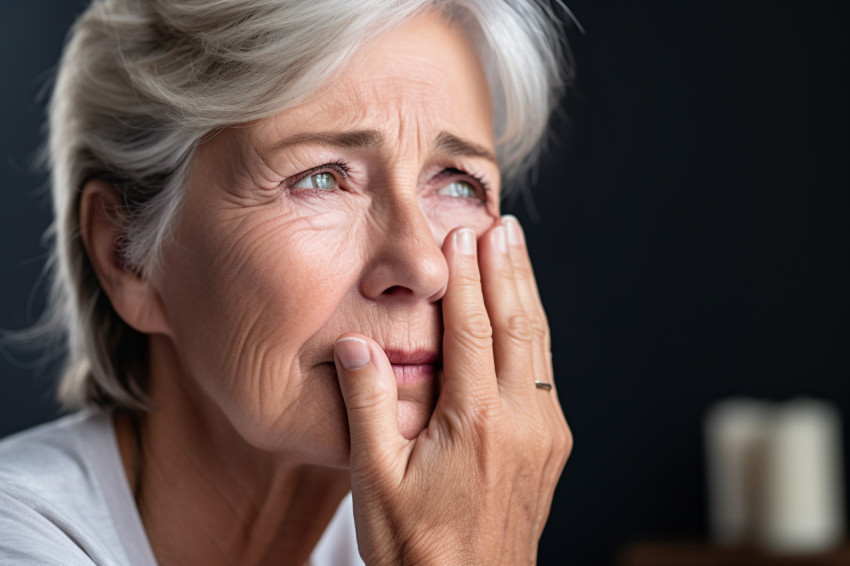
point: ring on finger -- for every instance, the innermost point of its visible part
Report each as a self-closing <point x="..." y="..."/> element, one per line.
<point x="543" y="385"/>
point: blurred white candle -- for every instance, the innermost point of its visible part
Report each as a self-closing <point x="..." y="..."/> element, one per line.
<point x="734" y="435"/>
<point x="802" y="508"/>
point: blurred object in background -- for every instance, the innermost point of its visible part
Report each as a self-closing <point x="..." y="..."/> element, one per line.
<point x="775" y="490"/>
<point x="802" y="504"/>
<point x="774" y="475"/>
<point x="734" y="431"/>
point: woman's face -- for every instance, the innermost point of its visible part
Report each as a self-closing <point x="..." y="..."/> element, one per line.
<point x="324" y="219"/>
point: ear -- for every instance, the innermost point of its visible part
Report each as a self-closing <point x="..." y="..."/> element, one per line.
<point x="133" y="297"/>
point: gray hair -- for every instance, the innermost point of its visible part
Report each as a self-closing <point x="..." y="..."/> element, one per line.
<point x="142" y="82"/>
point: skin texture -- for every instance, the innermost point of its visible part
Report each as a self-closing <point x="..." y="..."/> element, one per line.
<point x="451" y="452"/>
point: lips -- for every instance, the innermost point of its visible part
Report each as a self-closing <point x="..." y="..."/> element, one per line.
<point x="413" y="367"/>
<point x="417" y="357"/>
<point x="406" y="374"/>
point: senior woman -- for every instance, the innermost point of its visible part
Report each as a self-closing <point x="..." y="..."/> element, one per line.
<point x="283" y="277"/>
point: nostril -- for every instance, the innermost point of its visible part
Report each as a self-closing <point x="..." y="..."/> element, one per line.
<point x="397" y="290"/>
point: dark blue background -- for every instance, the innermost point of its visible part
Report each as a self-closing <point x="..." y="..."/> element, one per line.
<point x="692" y="240"/>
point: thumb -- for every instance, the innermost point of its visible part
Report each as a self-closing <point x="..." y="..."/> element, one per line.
<point x="370" y="393"/>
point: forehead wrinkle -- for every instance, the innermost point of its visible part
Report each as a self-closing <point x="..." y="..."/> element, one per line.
<point x="416" y="118"/>
<point x="346" y="139"/>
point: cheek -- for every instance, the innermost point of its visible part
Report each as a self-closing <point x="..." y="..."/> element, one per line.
<point x="258" y="274"/>
<point x="246" y="290"/>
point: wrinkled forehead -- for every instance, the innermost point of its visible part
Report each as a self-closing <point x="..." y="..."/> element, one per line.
<point x="411" y="83"/>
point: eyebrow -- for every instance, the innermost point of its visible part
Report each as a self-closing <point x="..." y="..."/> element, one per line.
<point x="453" y="145"/>
<point x="347" y="140"/>
<point x="445" y="142"/>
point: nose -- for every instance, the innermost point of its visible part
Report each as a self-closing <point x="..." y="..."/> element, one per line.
<point x="405" y="260"/>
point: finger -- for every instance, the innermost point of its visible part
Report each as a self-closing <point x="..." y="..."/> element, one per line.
<point x="529" y="295"/>
<point x="468" y="368"/>
<point x="512" y="338"/>
<point x="369" y="391"/>
<point x="526" y="282"/>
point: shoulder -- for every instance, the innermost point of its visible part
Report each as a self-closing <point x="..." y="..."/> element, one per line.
<point x="49" y="463"/>
<point x="47" y="452"/>
<point x="52" y="508"/>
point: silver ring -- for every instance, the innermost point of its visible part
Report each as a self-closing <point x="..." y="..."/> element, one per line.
<point x="542" y="385"/>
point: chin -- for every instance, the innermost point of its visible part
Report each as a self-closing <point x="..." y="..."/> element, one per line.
<point x="413" y="418"/>
<point x="328" y="441"/>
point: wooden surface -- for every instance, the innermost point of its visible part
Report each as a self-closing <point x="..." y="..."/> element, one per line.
<point x="700" y="554"/>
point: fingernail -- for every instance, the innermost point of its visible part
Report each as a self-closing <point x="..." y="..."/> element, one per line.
<point x="512" y="226"/>
<point x="466" y="241"/>
<point x="353" y="353"/>
<point x="501" y="239"/>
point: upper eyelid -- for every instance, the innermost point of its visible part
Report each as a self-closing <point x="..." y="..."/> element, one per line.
<point x="457" y="171"/>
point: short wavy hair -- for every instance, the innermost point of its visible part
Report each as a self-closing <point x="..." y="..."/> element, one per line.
<point x="142" y="82"/>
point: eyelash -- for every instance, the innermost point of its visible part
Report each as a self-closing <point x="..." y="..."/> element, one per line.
<point x="343" y="169"/>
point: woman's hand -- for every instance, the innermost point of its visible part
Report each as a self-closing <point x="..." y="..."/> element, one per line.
<point x="475" y="487"/>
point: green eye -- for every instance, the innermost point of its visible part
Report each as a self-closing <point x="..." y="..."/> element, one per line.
<point x="317" y="181"/>
<point x="459" y="189"/>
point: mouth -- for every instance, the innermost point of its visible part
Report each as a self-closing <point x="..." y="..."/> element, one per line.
<point x="415" y="367"/>
<point x="411" y="367"/>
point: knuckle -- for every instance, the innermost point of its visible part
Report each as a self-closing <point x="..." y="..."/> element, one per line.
<point x="487" y="413"/>
<point x="545" y="437"/>
<point x="468" y="278"/>
<point x="367" y="399"/>
<point x="553" y="442"/>
<point x="518" y="327"/>
<point x="564" y="443"/>
<point x="539" y="329"/>
<point x="475" y="331"/>
<point x="522" y="270"/>
<point x="478" y="424"/>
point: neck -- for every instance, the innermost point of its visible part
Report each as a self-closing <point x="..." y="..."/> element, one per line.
<point x="206" y="496"/>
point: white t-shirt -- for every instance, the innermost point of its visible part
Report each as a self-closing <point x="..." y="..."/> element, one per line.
<point x="65" y="500"/>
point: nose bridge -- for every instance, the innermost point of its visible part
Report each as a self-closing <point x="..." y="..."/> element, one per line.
<point x="408" y="221"/>
<point x="408" y="260"/>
